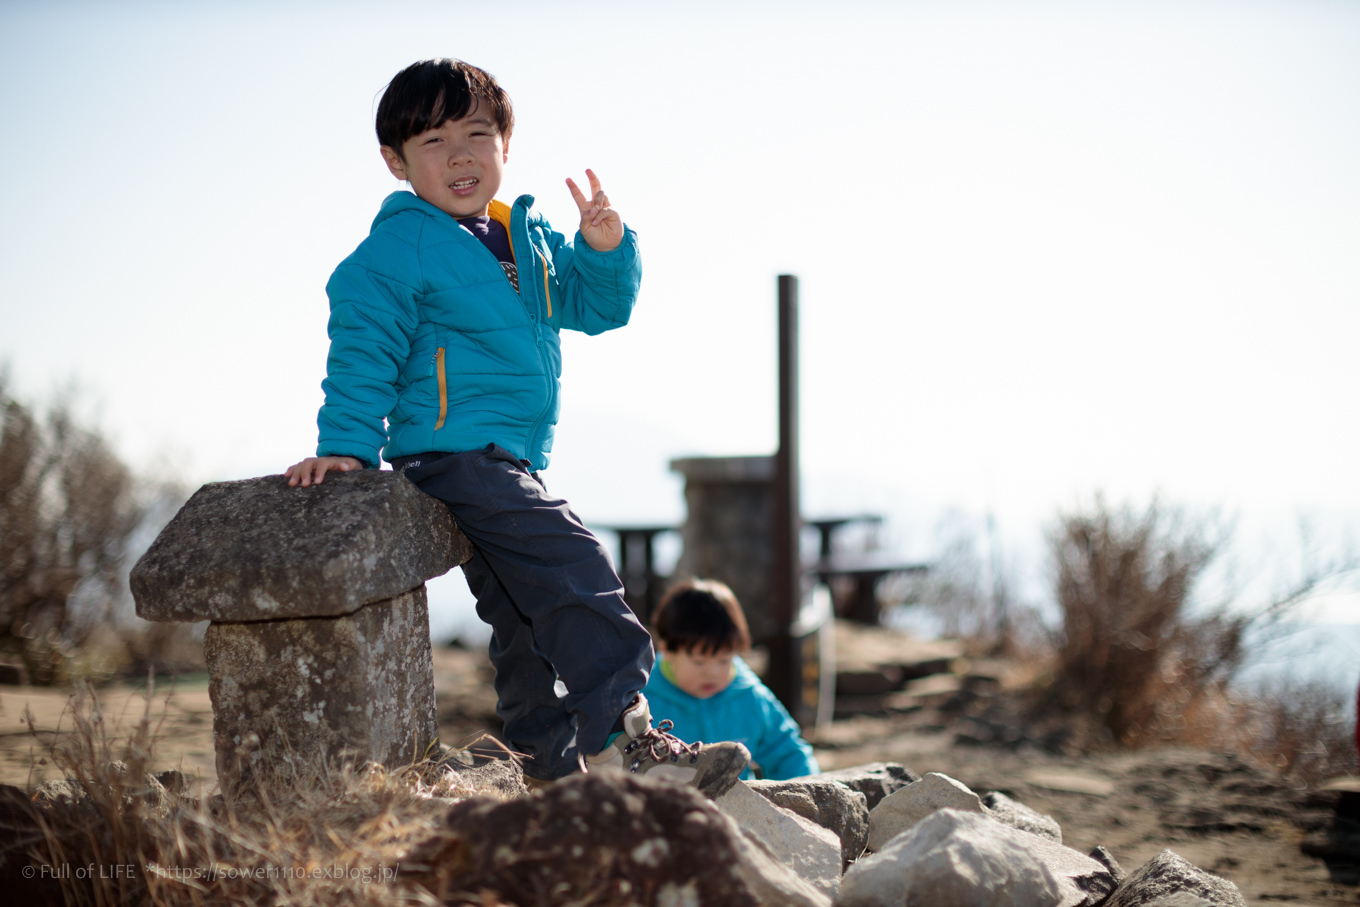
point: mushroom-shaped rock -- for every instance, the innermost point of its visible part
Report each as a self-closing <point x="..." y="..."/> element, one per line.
<point x="320" y="642"/>
<point x="259" y="550"/>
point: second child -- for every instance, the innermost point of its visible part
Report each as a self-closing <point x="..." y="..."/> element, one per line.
<point x="704" y="687"/>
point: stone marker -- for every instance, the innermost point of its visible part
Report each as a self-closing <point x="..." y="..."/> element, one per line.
<point x="320" y="643"/>
<point x="362" y="683"/>
<point x="952" y="859"/>
<point x="811" y="851"/>
<point x="914" y="802"/>
<point x="259" y="550"/>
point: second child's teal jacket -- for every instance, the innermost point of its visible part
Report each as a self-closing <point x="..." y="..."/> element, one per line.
<point x="746" y="711"/>
<point x="428" y="334"/>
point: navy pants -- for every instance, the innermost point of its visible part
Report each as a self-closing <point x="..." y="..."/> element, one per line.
<point x="555" y="605"/>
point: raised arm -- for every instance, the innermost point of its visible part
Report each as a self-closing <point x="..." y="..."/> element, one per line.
<point x="780" y="748"/>
<point x="600" y="273"/>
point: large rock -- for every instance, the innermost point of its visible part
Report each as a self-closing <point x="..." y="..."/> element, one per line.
<point x="831" y="804"/>
<point x="773" y="882"/>
<point x="1018" y="815"/>
<point x="953" y="859"/>
<point x="618" y="835"/>
<point x="1102" y="855"/>
<point x="259" y="550"/>
<point x="809" y="849"/>
<point x="1169" y="879"/>
<point x="361" y="684"/>
<point x="875" y="780"/>
<point x="914" y="802"/>
<point x="1082" y="881"/>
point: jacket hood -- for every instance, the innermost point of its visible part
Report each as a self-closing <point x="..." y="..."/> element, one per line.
<point x="401" y="201"/>
<point x="745" y="676"/>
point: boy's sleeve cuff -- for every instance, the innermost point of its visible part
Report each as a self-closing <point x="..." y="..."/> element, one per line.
<point x="365" y="461"/>
<point x="618" y="258"/>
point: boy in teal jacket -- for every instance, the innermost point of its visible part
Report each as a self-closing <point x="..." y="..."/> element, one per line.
<point x="702" y="684"/>
<point x="445" y="360"/>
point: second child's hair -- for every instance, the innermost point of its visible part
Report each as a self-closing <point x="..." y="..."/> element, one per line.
<point x="700" y="615"/>
<point x="428" y="94"/>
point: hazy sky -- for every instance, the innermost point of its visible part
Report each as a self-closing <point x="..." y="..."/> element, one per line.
<point x="1045" y="248"/>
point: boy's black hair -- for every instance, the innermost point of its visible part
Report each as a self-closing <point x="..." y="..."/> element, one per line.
<point x="700" y="615"/>
<point x="427" y="94"/>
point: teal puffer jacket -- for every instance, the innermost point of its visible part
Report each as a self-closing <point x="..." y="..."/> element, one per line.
<point x="428" y="334"/>
<point x="746" y="711"/>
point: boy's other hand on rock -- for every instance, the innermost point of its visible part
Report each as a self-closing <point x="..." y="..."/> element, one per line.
<point x="601" y="225"/>
<point x="313" y="469"/>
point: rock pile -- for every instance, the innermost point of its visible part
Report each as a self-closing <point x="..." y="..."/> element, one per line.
<point x="905" y="840"/>
<point x="610" y="838"/>
<point x="619" y="839"/>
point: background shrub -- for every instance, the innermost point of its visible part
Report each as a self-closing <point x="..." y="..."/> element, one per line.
<point x="1129" y="654"/>
<point x="73" y="515"/>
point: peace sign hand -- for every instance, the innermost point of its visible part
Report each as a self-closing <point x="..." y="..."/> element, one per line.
<point x="600" y="224"/>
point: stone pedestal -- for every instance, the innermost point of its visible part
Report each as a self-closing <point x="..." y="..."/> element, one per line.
<point x="361" y="683"/>
<point x="319" y="644"/>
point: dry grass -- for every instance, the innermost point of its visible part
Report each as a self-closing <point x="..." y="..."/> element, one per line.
<point x="326" y="834"/>
<point x="1304" y="728"/>
<point x="1134" y="666"/>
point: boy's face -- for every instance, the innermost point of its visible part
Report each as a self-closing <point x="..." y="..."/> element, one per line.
<point x="456" y="167"/>
<point x="700" y="674"/>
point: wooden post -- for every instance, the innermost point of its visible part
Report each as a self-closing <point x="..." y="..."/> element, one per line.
<point x="786" y="585"/>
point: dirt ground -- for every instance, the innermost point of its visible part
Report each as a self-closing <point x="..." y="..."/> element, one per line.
<point x="1220" y="812"/>
<point x="181" y="715"/>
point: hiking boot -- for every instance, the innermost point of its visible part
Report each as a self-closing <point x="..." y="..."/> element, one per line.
<point x="645" y="750"/>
